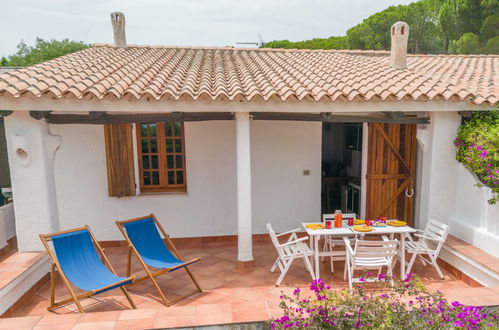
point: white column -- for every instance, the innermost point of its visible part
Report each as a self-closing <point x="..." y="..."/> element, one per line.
<point x="245" y="244"/>
<point x="31" y="150"/>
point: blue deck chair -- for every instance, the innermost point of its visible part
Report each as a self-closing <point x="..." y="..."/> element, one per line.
<point x="75" y="258"/>
<point x="144" y="239"/>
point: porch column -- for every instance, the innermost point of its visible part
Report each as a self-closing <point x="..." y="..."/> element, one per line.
<point x="244" y="240"/>
<point x="31" y="150"/>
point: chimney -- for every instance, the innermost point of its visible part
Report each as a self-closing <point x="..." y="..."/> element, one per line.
<point x="398" y="53"/>
<point x="118" y="21"/>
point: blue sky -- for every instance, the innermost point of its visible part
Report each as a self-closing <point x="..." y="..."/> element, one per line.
<point x="181" y="22"/>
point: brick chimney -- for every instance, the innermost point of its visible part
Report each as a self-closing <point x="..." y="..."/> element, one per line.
<point x="118" y="21"/>
<point x="398" y="53"/>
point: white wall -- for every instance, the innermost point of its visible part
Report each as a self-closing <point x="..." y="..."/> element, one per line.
<point x="31" y="150"/>
<point x="448" y="192"/>
<point x="7" y="224"/>
<point x="281" y="194"/>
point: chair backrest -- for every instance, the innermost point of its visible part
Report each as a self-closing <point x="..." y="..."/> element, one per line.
<point x="375" y="249"/>
<point x="79" y="261"/>
<point x="146" y="239"/>
<point x="437" y="230"/>
<point x="330" y="216"/>
<point x="273" y="235"/>
<point x="275" y="240"/>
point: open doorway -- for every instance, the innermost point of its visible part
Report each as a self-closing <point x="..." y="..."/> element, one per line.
<point x="341" y="167"/>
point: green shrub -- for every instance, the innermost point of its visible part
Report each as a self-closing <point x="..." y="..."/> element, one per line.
<point x="477" y="148"/>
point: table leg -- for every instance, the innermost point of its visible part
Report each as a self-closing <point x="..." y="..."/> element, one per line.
<point x="402" y="256"/>
<point x="316" y="256"/>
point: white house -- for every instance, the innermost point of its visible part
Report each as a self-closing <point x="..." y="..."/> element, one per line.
<point x="220" y="141"/>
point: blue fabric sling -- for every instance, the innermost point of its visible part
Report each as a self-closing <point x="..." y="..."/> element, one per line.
<point x="146" y="239"/>
<point x="81" y="264"/>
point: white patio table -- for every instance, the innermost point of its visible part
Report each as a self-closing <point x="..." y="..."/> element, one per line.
<point x="315" y="236"/>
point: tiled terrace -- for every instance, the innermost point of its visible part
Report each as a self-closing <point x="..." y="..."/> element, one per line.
<point x="230" y="295"/>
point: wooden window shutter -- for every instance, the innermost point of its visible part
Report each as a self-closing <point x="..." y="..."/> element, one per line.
<point x="119" y="159"/>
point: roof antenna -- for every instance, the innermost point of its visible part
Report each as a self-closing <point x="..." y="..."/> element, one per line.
<point x="118" y="21"/>
<point x="257" y="44"/>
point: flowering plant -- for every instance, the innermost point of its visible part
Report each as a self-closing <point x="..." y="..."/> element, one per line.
<point x="406" y="305"/>
<point x="477" y="146"/>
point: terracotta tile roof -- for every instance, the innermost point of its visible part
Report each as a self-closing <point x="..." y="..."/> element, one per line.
<point x="181" y="73"/>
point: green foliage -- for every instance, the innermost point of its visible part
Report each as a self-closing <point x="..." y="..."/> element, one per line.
<point x="436" y="26"/>
<point x="317" y="43"/>
<point x="468" y="44"/>
<point x="43" y="50"/>
<point x="490" y="26"/>
<point x="491" y="47"/>
<point x="477" y="146"/>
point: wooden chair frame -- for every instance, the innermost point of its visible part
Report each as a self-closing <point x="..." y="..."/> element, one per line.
<point x="56" y="268"/>
<point x="151" y="275"/>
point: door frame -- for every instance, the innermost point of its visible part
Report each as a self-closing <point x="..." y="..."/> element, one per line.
<point x="363" y="171"/>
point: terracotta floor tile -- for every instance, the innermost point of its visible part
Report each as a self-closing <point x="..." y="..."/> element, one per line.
<point x="230" y="295"/>
<point x="176" y="311"/>
<point x="491" y="300"/>
<point x="106" y="325"/>
<point x="213" y="318"/>
<point x="135" y="324"/>
<point x="175" y="321"/>
<point x="213" y="308"/>
<point x="249" y="306"/>
<point x="68" y="326"/>
<point x="470" y="292"/>
<point x="58" y="319"/>
<point x="26" y="321"/>
<point x="134" y="314"/>
<point x="99" y="317"/>
<point x="250" y="316"/>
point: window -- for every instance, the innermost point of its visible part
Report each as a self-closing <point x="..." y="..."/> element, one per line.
<point x="161" y="151"/>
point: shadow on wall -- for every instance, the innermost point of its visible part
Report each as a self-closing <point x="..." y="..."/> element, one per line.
<point x="4" y="162"/>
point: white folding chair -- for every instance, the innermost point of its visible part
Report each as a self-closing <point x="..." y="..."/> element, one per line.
<point x="369" y="255"/>
<point x="330" y="243"/>
<point x="293" y="248"/>
<point x="435" y="232"/>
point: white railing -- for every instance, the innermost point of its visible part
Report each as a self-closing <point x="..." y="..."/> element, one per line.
<point x="7" y="224"/>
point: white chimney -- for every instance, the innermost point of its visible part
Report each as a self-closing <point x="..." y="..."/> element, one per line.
<point x="118" y="21"/>
<point x="400" y="37"/>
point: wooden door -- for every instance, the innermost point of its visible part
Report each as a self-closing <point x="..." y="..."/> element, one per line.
<point x="390" y="171"/>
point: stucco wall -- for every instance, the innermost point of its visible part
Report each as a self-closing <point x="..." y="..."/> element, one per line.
<point x="7" y="224"/>
<point x="281" y="193"/>
<point x="448" y="191"/>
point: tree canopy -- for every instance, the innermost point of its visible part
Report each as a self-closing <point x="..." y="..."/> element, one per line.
<point x="43" y="50"/>
<point x="436" y="26"/>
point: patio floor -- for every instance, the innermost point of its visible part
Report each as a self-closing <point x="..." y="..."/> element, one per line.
<point x="230" y="295"/>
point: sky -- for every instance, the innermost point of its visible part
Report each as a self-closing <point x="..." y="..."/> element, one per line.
<point x="181" y="22"/>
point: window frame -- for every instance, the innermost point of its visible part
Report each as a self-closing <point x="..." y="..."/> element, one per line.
<point x="161" y="138"/>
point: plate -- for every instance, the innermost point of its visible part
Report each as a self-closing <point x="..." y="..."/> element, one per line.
<point x="315" y="226"/>
<point x="363" y="228"/>
<point x="359" y="222"/>
<point x="396" y="223"/>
